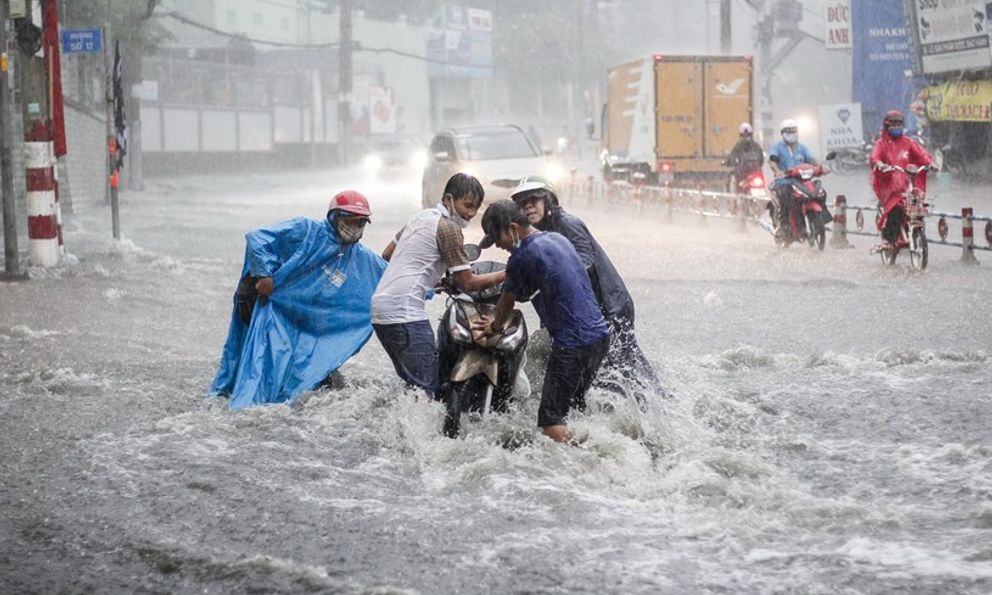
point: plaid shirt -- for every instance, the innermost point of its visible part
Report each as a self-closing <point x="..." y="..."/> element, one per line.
<point x="450" y="243"/>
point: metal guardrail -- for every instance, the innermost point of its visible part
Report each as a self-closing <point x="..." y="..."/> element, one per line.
<point x="748" y="209"/>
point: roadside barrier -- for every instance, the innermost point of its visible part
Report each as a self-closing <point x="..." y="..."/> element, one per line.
<point x="748" y="210"/>
<point x="967" y="218"/>
<point x="743" y="208"/>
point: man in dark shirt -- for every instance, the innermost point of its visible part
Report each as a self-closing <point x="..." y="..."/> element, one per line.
<point x="538" y="199"/>
<point x="545" y="269"/>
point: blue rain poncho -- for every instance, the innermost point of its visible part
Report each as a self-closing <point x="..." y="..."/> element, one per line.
<point x="318" y="316"/>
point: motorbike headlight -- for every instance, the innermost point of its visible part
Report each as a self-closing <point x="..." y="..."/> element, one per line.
<point x="516" y="333"/>
<point x="458" y="326"/>
<point x="372" y="163"/>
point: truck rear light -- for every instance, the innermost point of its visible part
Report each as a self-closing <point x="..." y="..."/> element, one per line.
<point x="667" y="166"/>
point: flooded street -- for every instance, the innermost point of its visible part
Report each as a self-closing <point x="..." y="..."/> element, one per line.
<point x="829" y="431"/>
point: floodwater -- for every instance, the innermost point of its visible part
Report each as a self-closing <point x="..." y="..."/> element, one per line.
<point x="829" y="431"/>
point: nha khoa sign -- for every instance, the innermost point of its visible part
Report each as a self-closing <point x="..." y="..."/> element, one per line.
<point x="838" y="25"/>
<point x="840" y="127"/>
<point x="961" y="101"/>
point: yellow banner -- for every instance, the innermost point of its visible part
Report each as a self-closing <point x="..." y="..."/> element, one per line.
<point x="963" y="101"/>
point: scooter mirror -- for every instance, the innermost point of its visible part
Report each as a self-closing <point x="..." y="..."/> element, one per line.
<point x="831" y="155"/>
<point x="472" y="251"/>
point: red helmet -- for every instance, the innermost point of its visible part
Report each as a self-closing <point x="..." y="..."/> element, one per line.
<point x="893" y="117"/>
<point x="352" y="202"/>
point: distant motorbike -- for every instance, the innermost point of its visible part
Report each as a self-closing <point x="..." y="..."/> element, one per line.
<point x="808" y="213"/>
<point x="853" y="159"/>
<point x="480" y="374"/>
<point x="752" y="185"/>
<point x="912" y="233"/>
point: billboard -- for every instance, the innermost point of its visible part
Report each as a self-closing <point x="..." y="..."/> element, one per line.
<point x="881" y="62"/>
<point x="950" y="36"/>
<point x="460" y="45"/>
<point x="382" y="112"/>
<point x="960" y="101"/>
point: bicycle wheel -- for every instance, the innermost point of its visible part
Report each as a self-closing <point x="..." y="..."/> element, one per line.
<point x="918" y="257"/>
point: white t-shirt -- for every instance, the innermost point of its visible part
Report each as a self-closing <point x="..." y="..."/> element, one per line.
<point x="416" y="266"/>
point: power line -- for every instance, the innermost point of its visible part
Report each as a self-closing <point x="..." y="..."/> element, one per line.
<point x="357" y="47"/>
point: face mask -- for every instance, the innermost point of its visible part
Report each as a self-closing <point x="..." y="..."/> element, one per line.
<point x="458" y="219"/>
<point x="895" y="132"/>
<point x="790" y="137"/>
<point x="349" y="232"/>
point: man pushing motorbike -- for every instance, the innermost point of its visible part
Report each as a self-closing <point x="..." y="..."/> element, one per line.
<point x="894" y="148"/>
<point x="538" y="199"/>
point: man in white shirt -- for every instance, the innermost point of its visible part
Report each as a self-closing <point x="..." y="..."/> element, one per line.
<point x="428" y="246"/>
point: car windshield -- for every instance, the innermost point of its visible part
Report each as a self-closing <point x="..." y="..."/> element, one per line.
<point x="494" y="144"/>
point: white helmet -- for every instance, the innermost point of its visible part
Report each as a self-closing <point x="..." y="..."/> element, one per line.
<point x="745" y="128"/>
<point x="789" y="123"/>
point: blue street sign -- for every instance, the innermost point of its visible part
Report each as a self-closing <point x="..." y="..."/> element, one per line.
<point x="75" y="41"/>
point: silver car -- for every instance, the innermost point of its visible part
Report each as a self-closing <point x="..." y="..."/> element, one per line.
<point x="499" y="156"/>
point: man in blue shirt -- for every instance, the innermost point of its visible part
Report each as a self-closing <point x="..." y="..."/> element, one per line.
<point x="783" y="156"/>
<point x="545" y="269"/>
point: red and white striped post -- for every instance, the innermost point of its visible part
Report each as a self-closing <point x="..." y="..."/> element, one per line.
<point x="838" y="233"/>
<point x="44" y="218"/>
<point x="967" y="237"/>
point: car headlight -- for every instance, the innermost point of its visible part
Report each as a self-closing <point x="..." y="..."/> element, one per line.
<point x="418" y="160"/>
<point x="372" y="163"/>
<point x="554" y="172"/>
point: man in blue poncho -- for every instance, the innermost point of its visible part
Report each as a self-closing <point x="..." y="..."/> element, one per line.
<point x="303" y="306"/>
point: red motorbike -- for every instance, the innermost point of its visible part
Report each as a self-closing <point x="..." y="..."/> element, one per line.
<point x="753" y="185"/>
<point x="911" y="210"/>
<point x="808" y="214"/>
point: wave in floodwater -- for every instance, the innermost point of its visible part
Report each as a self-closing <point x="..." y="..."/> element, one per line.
<point x="762" y="474"/>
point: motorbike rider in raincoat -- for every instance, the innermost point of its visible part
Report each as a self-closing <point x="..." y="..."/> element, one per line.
<point x="788" y="153"/>
<point x="302" y="307"/>
<point x="747" y="157"/>
<point x="538" y="199"/>
<point x="894" y="147"/>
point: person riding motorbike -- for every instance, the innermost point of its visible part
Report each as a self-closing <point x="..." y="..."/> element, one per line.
<point x="746" y="157"/>
<point x="894" y="147"/>
<point x="787" y="153"/>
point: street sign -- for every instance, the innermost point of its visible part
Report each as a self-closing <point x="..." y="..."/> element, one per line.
<point x="75" y="41"/>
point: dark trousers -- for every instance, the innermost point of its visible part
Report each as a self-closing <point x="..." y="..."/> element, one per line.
<point x="625" y="357"/>
<point x="411" y="348"/>
<point x="893" y="225"/>
<point x="570" y="372"/>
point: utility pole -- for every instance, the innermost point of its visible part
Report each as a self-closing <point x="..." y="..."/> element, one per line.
<point x="112" y="173"/>
<point x="11" y="263"/>
<point x="344" y="84"/>
<point x="726" y="42"/>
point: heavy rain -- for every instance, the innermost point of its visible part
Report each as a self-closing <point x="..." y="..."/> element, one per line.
<point x="816" y="313"/>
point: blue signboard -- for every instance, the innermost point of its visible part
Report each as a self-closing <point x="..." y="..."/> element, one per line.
<point x="76" y="41"/>
<point x="881" y="62"/>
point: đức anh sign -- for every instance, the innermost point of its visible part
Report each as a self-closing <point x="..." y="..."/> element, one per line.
<point x="76" y="41"/>
<point x="961" y="101"/>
